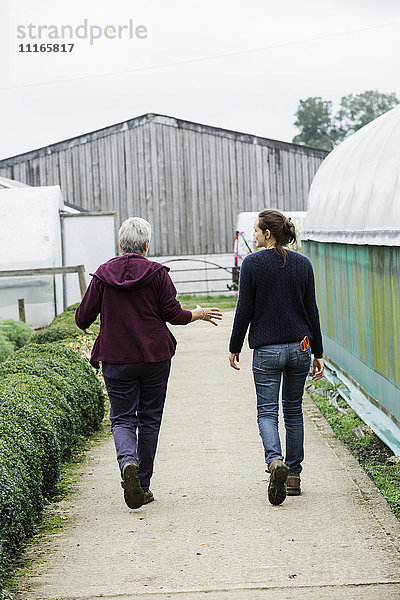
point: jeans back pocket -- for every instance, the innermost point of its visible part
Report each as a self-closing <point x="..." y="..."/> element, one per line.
<point x="304" y="358"/>
<point x="266" y="358"/>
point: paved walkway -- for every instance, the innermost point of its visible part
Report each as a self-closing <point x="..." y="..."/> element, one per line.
<point x="212" y="533"/>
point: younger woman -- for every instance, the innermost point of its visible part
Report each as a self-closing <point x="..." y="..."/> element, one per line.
<point x="277" y="300"/>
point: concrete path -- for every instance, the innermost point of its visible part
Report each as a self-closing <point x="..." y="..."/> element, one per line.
<point x="211" y="532"/>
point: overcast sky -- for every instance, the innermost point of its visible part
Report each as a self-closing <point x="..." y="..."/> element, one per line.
<point x="237" y="64"/>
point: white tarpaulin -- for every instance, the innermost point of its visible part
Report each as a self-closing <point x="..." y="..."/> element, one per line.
<point x="30" y="238"/>
<point x="355" y="194"/>
<point x="88" y="239"/>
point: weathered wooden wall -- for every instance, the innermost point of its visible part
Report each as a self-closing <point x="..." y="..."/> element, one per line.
<point x="189" y="181"/>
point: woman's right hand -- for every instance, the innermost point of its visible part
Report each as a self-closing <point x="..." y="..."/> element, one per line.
<point x="318" y="368"/>
<point x="233" y="359"/>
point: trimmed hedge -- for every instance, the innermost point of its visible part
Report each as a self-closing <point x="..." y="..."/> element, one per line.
<point x="13" y="335"/>
<point x="17" y="332"/>
<point x="62" y="328"/>
<point x="50" y="398"/>
<point x="6" y="347"/>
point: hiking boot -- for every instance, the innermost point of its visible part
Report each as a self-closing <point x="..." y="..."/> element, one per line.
<point x="277" y="481"/>
<point x="293" y="485"/>
<point x="148" y="497"/>
<point x="133" y="493"/>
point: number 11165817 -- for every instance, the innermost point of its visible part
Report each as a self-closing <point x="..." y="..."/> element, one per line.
<point x="45" y="47"/>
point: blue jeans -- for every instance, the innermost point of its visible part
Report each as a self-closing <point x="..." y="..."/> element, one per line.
<point x="269" y="362"/>
<point x="137" y="394"/>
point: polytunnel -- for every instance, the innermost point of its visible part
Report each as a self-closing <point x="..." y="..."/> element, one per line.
<point x="352" y="236"/>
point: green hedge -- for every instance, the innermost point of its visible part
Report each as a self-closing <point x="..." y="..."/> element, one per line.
<point x="6" y="347"/>
<point x="17" y="332"/>
<point x="62" y="328"/>
<point x="13" y="335"/>
<point x="50" y="398"/>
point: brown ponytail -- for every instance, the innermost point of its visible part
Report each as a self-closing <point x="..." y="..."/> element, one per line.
<point x="282" y="229"/>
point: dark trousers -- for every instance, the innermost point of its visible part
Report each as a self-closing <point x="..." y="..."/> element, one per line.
<point x="137" y="394"/>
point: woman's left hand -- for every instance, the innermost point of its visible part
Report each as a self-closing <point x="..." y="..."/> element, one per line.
<point x="211" y="314"/>
<point x="206" y="314"/>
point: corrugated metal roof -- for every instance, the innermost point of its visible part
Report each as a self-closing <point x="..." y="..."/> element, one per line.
<point x="189" y="180"/>
<point x="164" y="120"/>
<point x="355" y="194"/>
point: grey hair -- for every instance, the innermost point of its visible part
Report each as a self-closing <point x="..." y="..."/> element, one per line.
<point x="134" y="234"/>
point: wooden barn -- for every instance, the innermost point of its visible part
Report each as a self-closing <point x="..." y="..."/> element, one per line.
<point x="188" y="180"/>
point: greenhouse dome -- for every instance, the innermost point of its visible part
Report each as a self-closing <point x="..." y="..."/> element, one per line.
<point x="352" y="236"/>
<point x="355" y="195"/>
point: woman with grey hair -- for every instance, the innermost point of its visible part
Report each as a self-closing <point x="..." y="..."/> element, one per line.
<point x="135" y="298"/>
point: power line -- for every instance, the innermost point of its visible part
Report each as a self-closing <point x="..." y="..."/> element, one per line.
<point x="202" y="59"/>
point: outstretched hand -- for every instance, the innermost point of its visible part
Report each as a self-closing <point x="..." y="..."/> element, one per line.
<point x="88" y="331"/>
<point x="206" y="314"/>
<point x="212" y="314"/>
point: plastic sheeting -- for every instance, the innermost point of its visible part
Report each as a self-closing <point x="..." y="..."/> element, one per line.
<point x="355" y="194"/>
<point x="30" y="238"/>
<point x="87" y="239"/>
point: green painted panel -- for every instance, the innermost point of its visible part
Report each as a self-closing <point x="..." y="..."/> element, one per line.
<point x="358" y="291"/>
<point x="380" y="388"/>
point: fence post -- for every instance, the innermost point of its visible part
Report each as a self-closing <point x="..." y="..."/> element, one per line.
<point x="21" y="309"/>
<point x="82" y="280"/>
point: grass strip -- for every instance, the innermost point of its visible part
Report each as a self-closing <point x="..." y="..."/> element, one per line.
<point x="379" y="462"/>
<point x="222" y="302"/>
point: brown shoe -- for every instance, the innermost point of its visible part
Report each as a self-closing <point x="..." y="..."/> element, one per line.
<point x="133" y="493"/>
<point x="148" y="497"/>
<point x="293" y="485"/>
<point x="277" y="481"/>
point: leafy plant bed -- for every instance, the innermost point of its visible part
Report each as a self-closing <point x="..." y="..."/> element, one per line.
<point x="50" y="399"/>
<point x="382" y="466"/>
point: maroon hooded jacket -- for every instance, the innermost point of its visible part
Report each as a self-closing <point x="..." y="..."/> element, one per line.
<point x="134" y="297"/>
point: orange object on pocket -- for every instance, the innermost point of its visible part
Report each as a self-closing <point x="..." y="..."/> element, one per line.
<point x="305" y="343"/>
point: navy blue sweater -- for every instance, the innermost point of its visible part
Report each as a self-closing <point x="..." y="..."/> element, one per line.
<point x="278" y="303"/>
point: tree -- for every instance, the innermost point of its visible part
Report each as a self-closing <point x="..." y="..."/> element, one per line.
<point x="314" y="119"/>
<point x="357" y="111"/>
<point x="320" y="129"/>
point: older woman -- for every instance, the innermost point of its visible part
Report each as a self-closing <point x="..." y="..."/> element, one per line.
<point x="277" y="300"/>
<point x="135" y="297"/>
